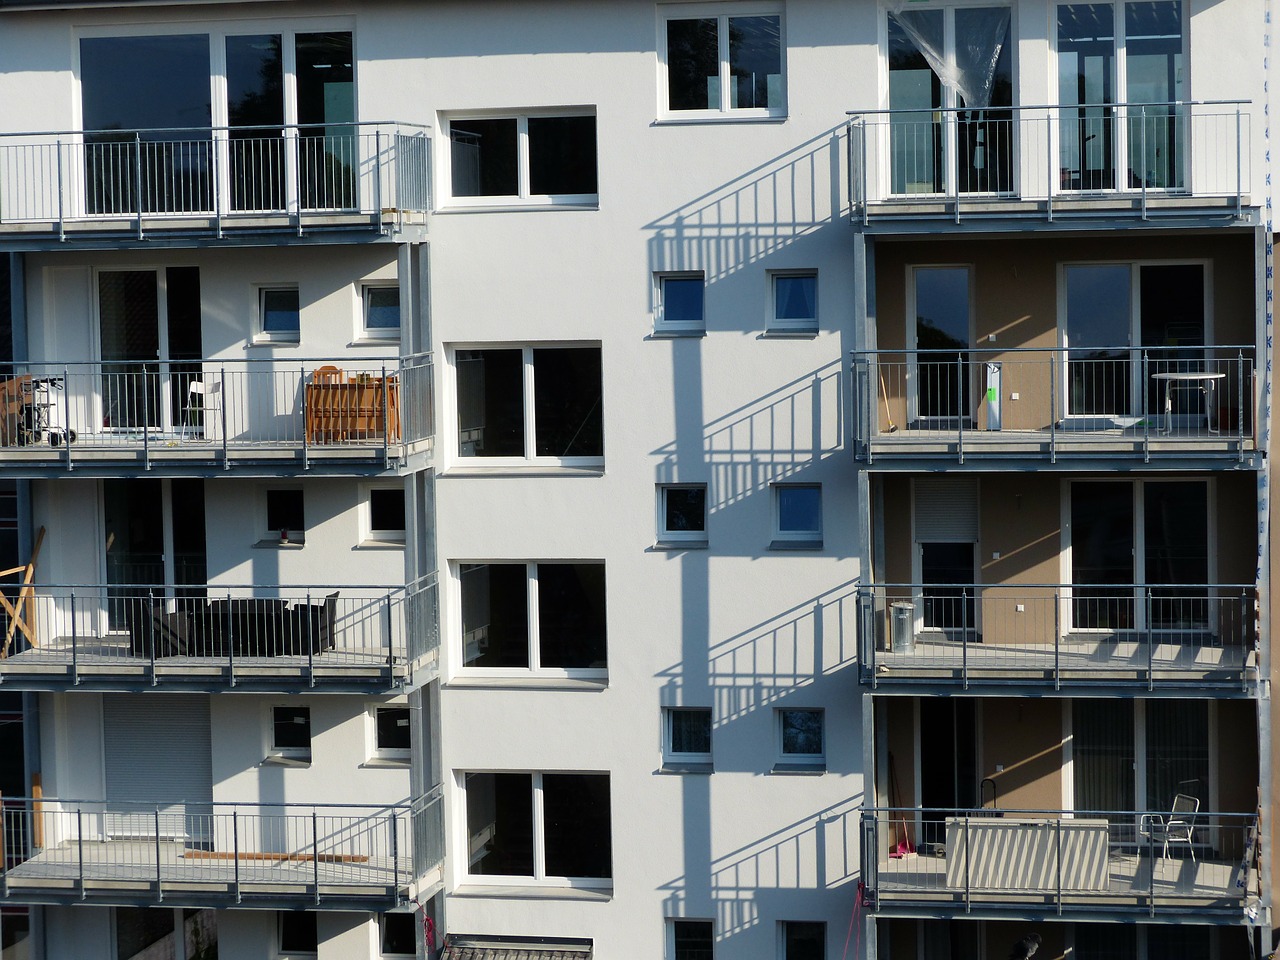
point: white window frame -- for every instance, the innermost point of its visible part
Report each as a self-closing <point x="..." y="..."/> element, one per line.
<point x="677" y="327"/>
<point x="371" y="536"/>
<point x="288" y="756"/>
<point x="522" y="197"/>
<point x="368" y="334"/>
<point x="528" y="390"/>
<point x="387" y="755"/>
<point x="672" y="757"/>
<point x="670" y="937"/>
<point x="281" y="953"/>
<point x="260" y="334"/>
<point x="805" y="537"/>
<point x="807" y="760"/>
<point x="535" y="668"/>
<point x="726" y="112"/>
<point x="540" y="877"/>
<point x="682" y="537"/>
<point x="777" y="324"/>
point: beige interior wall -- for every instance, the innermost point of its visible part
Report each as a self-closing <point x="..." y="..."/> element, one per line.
<point x="1237" y="749"/>
<point x="1025" y="736"/>
<point x="1021" y="543"/>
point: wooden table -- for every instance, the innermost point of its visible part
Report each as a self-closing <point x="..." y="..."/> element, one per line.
<point x="355" y="410"/>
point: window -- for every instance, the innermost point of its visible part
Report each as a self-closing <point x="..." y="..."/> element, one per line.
<point x="687" y="735"/>
<point x="138" y="928"/>
<point x="795" y="302"/>
<point x="682" y="513"/>
<point x="399" y="935"/>
<point x="797" y="514"/>
<point x="381" y="312"/>
<point x="692" y="939"/>
<point x="384" y="520"/>
<point x="566" y="633"/>
<point x="279" y="314"/>
<point x="391" y="736"/>
<point x="291" y="733"/>
<point x="540" y="826"/>
<point x="800" y="739"/>
<point x="804" y="940"/>
<point x="538" y="159"/>
<point x="723" y="65"/>
<point x="285" y="518"/>
<point x="680" y="303"/>
<point x="298" y="934"/>
<point x="562" y="425"/>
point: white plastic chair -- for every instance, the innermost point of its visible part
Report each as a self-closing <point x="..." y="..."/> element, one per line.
<point x="1177" y="827"/>
<point x="202" y="398"/>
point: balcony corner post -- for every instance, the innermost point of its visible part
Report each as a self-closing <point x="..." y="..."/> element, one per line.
<point x="62" y="190"/>
<point x="1149" y="629"/>
<point x="1057" y="639"/>
<point x="391" y="651"/>
<point x="315" y="853"/>
<point x="311" y="654"/>
<point x="394" y="822"/>
<point x="235" y="850"/>
<point x="159" y="885"/>
<point x="1239" y="164"/>
<point x="222" y="414"/>
<point x="386" y="419"/>
<point x="80" y="847"/>
<point x="377" y="179"/>
<point x="961" y="412"/>
<point x="137" y="178"/>
<point x="146" y="418"/>
<point x="968" y="900"/>
<point x="1240" y="403"/>
<point x="1142" y="111"/>
<point x="1058" y="858"/>
<point x="1146" y="410"/>
<point x="1053" y="409"/>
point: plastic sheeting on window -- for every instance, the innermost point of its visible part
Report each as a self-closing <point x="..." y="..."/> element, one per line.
<point x="980" y="36"/>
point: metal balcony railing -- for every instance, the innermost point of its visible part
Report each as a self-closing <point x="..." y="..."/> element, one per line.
<point x="173" y="634"/>
<point x="1132" y="154"/>
<point x="1059" y="634"/>
<point x="215" y="410"/>
<point x="214" y="179"/>
<point x="207" y="853"/>
<point x="1045" y="402"/>
<point x="1064" y="860"/>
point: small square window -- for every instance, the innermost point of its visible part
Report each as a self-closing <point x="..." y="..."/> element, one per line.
<point x="298" y="934"/>
<point x="688" y="735"/>
<point x="291" y="733"/>
<point x="681" y="303"/>
<point x="692" y="939"/>
<point x="279" y="314"/>
<point x="802" y="940"/>
<point x="386" y="521"/>
<point x="797" y="514"/>
<point x="391" y="738"/>
<point x="399" y="935"/>
<point x="682" y="513"/>
<point x="285" y="517"/>
<point x="382" y="312"/>
<point x="801" y="738"/>
<point x="795" y="302"/>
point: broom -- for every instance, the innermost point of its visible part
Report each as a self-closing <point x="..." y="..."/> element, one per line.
<point x="893" y="427"/>
<point x="905" y="846"/>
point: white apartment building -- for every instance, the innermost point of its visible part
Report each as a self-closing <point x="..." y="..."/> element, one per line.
<point x="637" y="479"/>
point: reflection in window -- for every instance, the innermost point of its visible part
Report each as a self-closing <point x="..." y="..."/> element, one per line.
<point x="255" y="100"/>
<point x="942" y="329"/>
<point x="523" y="157"/>
<point x="327" y="154"/>
<point x="725" y="63"/>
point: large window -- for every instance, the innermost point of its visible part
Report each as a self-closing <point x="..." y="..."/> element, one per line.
<point x="723" y="64"/>
<point x="540" y="159"/>
<point x="527" y="403"/>
<point x="539" y="826"/>
<point x="541" y="617"/>
<point x="1109" y="55"/>
<point x="951" y="87"/>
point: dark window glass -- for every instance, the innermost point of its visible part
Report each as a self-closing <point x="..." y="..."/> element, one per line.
<point x="500" y="823"/>
<point x="690" y="731"/>
<point x="382" y="308"/>
<point x="386" y="510"/>
<point x="284" y="510"/>
<point x="292" y="728"/>
<point x="298" y="933"/>
<point x="327" y="154"/>
<point x="393" y="728"/>
<point x="281" y="311"/>
<point x="571" y="617"/>
<point x="799" y="509"/>
<point x="682" y="300"/>
<point x="1102" y="560"/>
<point x="495" y="615"/>
<point x="158" y="84"/>
<point x="693" y="939"/>
<point x="1177" y="752"/>
<point x="1181" y="941"/>
<point x="685" y="509"/>
<point x="802" y="732"/>
<point x="138" y="928"/>
<point x="693" y="64"/>
<point x="491" y="403"/>
<point x="795" y="297"/>
<point x="566" y="403"/>
<point x="804" y="941"/>
<point x="399" y="934"/>
<point x="562" y="155"/>
<point x="1176" y="522"/>
<point x="576" y="825"/>
<point x="255" y="100"/>
<point x="484" y="158"/>
<point x="755" y="62"/>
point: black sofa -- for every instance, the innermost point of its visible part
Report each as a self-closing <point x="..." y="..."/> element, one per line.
<point x="240" y="628"/>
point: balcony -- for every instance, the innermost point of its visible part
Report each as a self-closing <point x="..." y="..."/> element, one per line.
<point x="286" y="855"/>
<point x="222" y="183"/>
<point x="190" y="415"/>
<point x="1047" y="405"/>
<point x="1014" y="861"/>
<point x="1059" y="636"/>
<point x="254" y="638"/>
<point x="1136" y="160"/>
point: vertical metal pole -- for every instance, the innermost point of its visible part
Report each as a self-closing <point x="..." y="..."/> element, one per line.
<point x="964" y="635"/>
<point x="866" y="215"/>
<point x="311" y="664"/>
<point x="151" y="632"/>
<point x="1151" y="643"/>
<point x="960" y="410"/>
<point x="4" y="850"/>
<point x="297" y="169"/>
<point x="1142" y="173"/>
<point x="235" y="849"/>
<point x="222" y="414"/>
<point x="75" y="646"/>
<point x="62" y="187"/>
<point x="80" y="846"/>
<point x="1151" y="880"/>
<point x="968" y="905"/>
<point x="1144" y="409"/>
<point x="1058" y="858"/>
<point x="1053" y="408"/>
<point x="377" y="176"/>
<point x="146" y="418"/>
<point x="1239" y="161"/>
<point x="1240" y="402"/>
<point x="1049" y="159"/>
<point x="159" y="887"/>
<point x="66" y="413"/>
<point x="386" y="419"/>
<point x="231" y="644"/>
<point x="1057" y="640"/>
<point x="395" y="854"/>
<point x="137" y="178"/>
<point x="215" y="186"/>
<point x="302" y="376"/>
<point x="391" y="653"/>
<point x="315" y="853"/>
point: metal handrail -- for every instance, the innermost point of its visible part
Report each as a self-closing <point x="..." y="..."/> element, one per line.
<point x="1050" y="106"/>
<point x="398" y="124"/>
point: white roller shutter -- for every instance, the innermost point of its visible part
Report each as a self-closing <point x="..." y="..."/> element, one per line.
<point x="946" y="509"/>
<point x="157" y="749"/>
